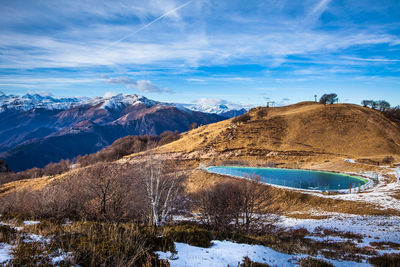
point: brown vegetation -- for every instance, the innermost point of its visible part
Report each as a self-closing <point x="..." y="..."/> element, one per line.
<point x="386" y="260"/>
<point x="232" y="204"/>
<point x="92" y="244"/>
<point x="102" y="191"/>
<point x="312" y="262"/>
<point x="341" y="129"/>
<point x="120" y="148"/>
<point x="242" y="118"/>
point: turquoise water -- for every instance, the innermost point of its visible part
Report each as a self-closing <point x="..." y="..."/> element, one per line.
<point x="303" y="179"/>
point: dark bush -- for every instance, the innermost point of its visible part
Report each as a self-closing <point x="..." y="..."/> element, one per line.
<point x="242" y="118"/>
<point x="219" y="205"/>
<point x="328" y="98"/>
<point x="393" y="114"/>
<point x="388" y="160"/>
<point x="386" y="260"/>
<point x="7" y="234"/>
<point x="249" y="263"/>
<point x="262" y="113"/>
<point x="190" y="234"/>
<point x="312" y="262"/>
<point x="168" y="137"/>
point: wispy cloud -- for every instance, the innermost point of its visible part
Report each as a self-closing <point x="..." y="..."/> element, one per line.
<point x="172" y="11"/>
<point x="203" y="42"/>
<point x="144" y="86"/>
<point x="318" y="9"/>
<point x="195" y="80"/>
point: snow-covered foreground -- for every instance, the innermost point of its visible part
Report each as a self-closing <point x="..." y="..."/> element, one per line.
<point x="368" y="228"/>
<point x="371" y="228"/>
<point x="226" y="253"/>
<point x="223" y="253"/>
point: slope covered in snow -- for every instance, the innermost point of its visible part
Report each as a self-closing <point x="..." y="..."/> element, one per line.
<point x="226" y="253"/>
<point x="32" y="101"/>
<point x="119" y="101"/>
<point x="220" y="109"/>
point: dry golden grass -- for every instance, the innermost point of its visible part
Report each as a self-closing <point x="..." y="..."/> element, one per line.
<point x="34" y="184"/>
<point x="342" y="129"/>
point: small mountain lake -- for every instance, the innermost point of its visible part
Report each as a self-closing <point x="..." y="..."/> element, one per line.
<point x="295" y="178"/>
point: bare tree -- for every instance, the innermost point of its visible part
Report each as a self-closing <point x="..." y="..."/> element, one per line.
<point x="162" y="190"/>
<point x="102" y="186"/>
<point x="254" y="200"/>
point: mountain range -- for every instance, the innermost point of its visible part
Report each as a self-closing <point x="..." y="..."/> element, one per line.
<point x="36" y="130"/>
<point x="35" y="101"/>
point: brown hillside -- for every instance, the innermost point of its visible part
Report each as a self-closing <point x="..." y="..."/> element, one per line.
<point x="306" y="134"/>
<point x="340" y="129"/>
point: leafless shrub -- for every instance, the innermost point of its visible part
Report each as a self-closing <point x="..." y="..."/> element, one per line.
<point x="237" y="203"/>
<point x="56" y="168"/>
<point x="220" y="205"/>
<point x="168" y="137"/>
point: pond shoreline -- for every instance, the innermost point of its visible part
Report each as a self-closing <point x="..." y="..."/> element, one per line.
<point x="368" y="183"/>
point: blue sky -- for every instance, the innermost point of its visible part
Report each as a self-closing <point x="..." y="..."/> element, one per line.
<point x="202" y="50"/>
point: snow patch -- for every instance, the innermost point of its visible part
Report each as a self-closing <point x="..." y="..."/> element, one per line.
<point x="5" y="254"/>
<point x="371" y="228"/>
<point x="31" y="222"/>
<point x="224" y="253"/>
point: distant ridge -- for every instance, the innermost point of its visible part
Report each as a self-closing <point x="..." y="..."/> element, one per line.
<point x="36" y="101"/>
<point x="36" y="130"/>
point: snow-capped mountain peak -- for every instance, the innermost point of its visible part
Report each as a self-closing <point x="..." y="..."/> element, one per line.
<point x="217" y="108"/>
<point x="115" y="102"/>
<point x="32" y="101"/>
<point x="120" y="101"/>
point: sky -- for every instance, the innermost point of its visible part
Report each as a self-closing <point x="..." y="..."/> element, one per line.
<point x="248" y="52"/>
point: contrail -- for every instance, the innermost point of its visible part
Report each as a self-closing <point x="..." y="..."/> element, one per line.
<point x="147" y="25"/>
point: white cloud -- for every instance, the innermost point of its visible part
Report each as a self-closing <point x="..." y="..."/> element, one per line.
<point x="195" y="80"/>
<point x="210" y="101"/>
<point x="109" y="94"/>
<point x="140" y="85"/>
<point x="41" y="93"/>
